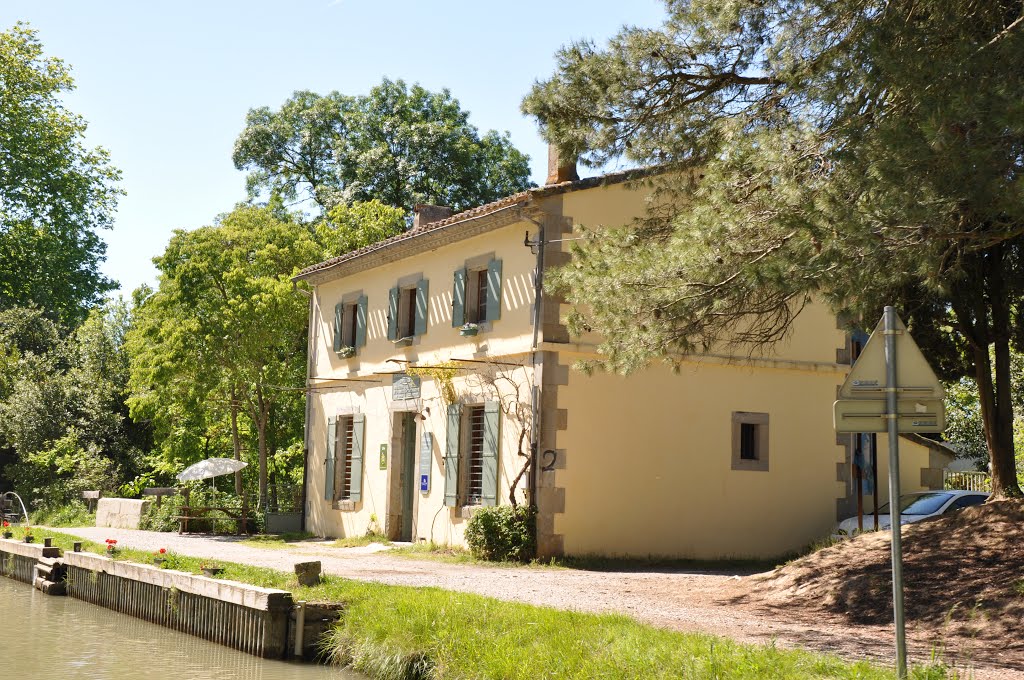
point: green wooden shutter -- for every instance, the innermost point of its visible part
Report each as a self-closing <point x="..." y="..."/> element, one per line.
<point x="451" y="456"/>
<point x="494" y="290"/>
<point x="339" y="315"/>
<point x="360" y="338"/>
<point x="393" y="314"/>
<point x="332" y="441"/>
<point x="358" y="430"/>
<point x="421" y="307"/>
<point x="492" y="423"/>
<point x="459" y="299"/>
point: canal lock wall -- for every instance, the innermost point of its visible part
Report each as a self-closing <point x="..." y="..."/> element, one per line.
<point x="261" y="621"/>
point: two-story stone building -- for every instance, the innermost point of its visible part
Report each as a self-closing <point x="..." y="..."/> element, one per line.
<point x="726" y="458"/>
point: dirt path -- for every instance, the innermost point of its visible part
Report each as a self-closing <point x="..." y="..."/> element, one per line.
<point x="710" y="602"/>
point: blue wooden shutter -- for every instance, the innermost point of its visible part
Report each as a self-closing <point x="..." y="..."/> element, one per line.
<point x="360" y="339"/>
<point x="393" y="314"/>
<point x="494" y="290"/>
<point x="332" y="441"/>
<point x="358" y="431"/>
<point x="451" y="456"/>
<point x="339" y="315"/>
<point x="459" y="299"/>
<point x="492" y="424"/>
<point x="421" y="307"/>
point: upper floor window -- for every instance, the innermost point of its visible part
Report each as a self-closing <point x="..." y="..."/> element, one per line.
<point x="407" y="310"/>
<point x="476" y="294"/>
<point x="350" y="325"/>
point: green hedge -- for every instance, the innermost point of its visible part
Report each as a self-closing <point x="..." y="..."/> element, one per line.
<point x="503" y="533"/>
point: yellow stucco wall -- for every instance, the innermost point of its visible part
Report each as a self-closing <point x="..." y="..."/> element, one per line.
<point x="647" y="467"/>
<point x="649" y="457"/>
<point x="508" y="337"/>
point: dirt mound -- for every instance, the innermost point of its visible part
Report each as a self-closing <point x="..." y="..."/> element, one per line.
<point x="963" y="574"/>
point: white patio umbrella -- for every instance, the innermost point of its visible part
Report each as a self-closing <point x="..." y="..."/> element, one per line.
<point x="211" y="467"/>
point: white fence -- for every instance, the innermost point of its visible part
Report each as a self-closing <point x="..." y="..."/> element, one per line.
<point x="967" y="481"/>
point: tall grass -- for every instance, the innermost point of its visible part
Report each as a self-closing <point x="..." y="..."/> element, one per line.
<point x="405" y="633"/>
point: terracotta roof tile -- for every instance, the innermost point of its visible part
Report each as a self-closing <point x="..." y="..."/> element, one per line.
<point x="480" y="211"/>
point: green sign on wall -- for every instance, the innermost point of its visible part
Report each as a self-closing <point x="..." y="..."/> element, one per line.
<point x="383" y="456"/>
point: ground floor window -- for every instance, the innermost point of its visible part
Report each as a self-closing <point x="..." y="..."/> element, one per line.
<point x="344" y="464"/>
<point x="471" y="454"/>
<point x="750" y="441"/>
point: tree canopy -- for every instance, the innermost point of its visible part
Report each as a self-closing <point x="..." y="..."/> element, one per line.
<point x="55" y="192"/>
<point x="400" y="145"/>
<point x="223" y="336"/>
<point x="862" y="152"/>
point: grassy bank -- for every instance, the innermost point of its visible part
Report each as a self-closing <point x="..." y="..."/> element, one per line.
<point x="402" y="633"/>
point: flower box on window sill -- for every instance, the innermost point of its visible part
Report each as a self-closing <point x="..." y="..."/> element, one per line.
<point x="469" y="330"/>
<point x="404" y="342"/>
<point x="345" y="506"/>
<point x="347" y="352"/>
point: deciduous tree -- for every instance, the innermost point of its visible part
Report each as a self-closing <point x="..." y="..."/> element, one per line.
<point x="56" y="194"/>
<point x="400" y="145"/>
<point x="225" y="331"/>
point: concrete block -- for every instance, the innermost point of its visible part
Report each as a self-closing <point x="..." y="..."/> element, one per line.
<point x="120" y="513"/>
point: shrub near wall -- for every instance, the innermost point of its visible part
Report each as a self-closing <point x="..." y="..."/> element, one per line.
<point x="503" y="533"/>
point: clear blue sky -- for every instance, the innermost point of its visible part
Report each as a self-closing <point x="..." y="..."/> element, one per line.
<point x="165" y="86"/>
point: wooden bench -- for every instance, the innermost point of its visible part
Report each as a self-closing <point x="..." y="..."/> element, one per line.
<point x="237" y="515"/>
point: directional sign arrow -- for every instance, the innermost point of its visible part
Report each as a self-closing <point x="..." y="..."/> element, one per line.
<point x="868" y="415"/>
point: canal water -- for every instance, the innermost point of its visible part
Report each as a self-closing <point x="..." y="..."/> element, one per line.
<point x="60" y="637"/>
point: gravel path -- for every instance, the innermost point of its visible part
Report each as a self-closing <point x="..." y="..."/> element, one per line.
<point x="704" y="601"/>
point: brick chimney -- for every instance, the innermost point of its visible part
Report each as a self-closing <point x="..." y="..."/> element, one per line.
<point x="560" y="170"/>
<point x="424" y="214"/>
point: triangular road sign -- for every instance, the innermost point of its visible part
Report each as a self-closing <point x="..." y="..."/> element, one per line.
<point x="915" y="378"/>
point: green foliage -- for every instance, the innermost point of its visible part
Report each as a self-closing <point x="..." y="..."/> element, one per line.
<point x="221" y="336"/>
<point x="964" y="427"/>
<point x="74" y="514"/>
<point x="400" y="145"/>
<point x="352" y="226"/>
<point x="55" y="193"/>
<point x="401" y="632"/>
<point x="62" y="411"/>
<point x="503" y="532"/>
<point x="858" y="153"/>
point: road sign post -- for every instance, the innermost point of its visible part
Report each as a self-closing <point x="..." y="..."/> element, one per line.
<point x="891" y="388"/>
<point x="892" y="415"/>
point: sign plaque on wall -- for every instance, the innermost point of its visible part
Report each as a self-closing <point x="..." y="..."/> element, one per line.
<point x="405" y="387"/>
<point x="383" y="456"/>
<point x="426" y="449"/>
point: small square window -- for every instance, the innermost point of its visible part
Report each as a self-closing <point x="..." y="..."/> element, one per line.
<point x="750" y="441"/>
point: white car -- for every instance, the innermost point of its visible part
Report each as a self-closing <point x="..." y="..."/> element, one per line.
<point x="914" y="507"/>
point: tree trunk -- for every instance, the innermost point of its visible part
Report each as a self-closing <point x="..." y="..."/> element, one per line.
<point x="995" y="396"/>
<point x="235" y="439"/>
<point x="263" y="412"/>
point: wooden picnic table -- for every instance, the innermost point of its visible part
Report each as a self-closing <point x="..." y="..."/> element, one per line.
<point x="238" y="515"/>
